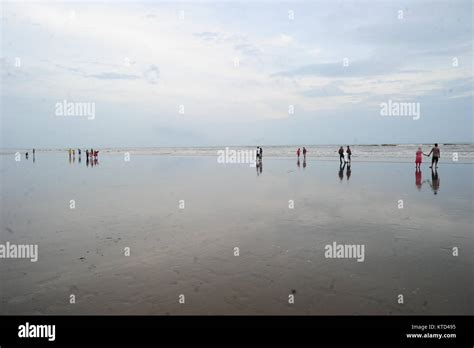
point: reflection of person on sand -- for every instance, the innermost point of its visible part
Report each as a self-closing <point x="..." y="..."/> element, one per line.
<point x="298" y="162"/>
<point x="259" y="167"/>
<point x="418" y="178"/>
<point x="341" y="171"/>
<point x="348" y="172"/>
<point x="434" y="181"/>
<point x="304" y="163"/>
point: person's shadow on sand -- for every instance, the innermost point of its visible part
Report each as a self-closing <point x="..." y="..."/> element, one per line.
<point x="348" y="172"/>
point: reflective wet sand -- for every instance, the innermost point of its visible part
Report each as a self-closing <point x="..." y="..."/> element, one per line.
<point x="191" y="251"/>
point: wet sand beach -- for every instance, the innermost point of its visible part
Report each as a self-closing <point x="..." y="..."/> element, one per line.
<point x="191" y="251"/>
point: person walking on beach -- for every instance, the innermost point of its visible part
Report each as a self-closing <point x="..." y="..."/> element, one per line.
<point x="436" y="155"/>
<point x="304" y="153"/>
<point x="261" y="153"/>
<point x="341" y="154"/>
<point x="418" y="159"/>
<point x="298" y="153"/>
<point x="349" y="153"/>
<point x="33" y="152"/>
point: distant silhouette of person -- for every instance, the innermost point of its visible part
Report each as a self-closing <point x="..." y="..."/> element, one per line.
<point x="26" y="155"/>
<point x="436" y="155"/>
<point x="304" y="153"/>
<point x="418" y="178"/>
<point x="261" y="153"/>
<point x="434" y="181"/>
<point x="341" y="171"/>
<point x="341" y="154"/>
<point x="298" y="153"/>
<point x="33" y="152"/>
<point x="348" y="172"/>
<point x="79" y="152"/>
<point x="87" y="161"/>
<point x="419" y="157"/>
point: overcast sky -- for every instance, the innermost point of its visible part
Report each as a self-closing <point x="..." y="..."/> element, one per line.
<point x="236" y="67"/>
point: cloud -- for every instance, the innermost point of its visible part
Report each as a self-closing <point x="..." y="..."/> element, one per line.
<point x="329" y="90"/>
<point x="238" y="42"/>
<point x="282" y="40"/>
<point x="338" y="69"/>
<point x="152" y="74"/>
<point x="113" y="76"/>
<point x="208" y="36"/>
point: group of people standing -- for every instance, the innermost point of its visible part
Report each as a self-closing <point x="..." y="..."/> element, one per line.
<point x="434" y="160"/>
<point x="259" y="156"/>
<point x="26" y="154"/>
<point x="298" y="152"/>
<point x="90" y="154"/>
<point x="345" y="157"/>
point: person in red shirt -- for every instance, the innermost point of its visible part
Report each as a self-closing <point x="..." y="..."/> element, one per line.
<point x="418" y="159"/>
